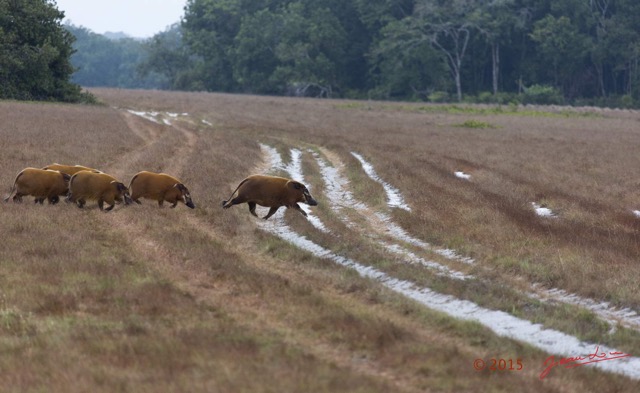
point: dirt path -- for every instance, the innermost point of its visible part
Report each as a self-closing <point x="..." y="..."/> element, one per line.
<point x="148" y="132"/>
<point x="189" y="140"/>
<point x="222" y="294"/>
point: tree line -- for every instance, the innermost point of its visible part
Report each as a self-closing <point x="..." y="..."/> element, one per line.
<point x="549" y="51"/>
<point x="101" y="61"/>
<point x="544" y="51"/>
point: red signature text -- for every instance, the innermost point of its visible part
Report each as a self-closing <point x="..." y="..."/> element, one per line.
<point x="577" y="361"/>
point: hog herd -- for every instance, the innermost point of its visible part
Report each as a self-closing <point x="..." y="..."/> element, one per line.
<point x="80" y="183"/>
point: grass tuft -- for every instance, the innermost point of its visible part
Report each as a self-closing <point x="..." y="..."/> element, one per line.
<point x="475" y="124"/>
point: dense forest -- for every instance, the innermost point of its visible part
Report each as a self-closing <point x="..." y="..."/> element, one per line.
<point x="35" y="53"/>
<point x="581" y="52"/>
<point x="547" y="51"/>
<point x="113" y="62"/>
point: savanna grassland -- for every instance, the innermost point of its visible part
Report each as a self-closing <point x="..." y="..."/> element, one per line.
<point x="144" y="298"/>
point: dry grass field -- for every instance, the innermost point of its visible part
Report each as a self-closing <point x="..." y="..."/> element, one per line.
<point x="149" y="299"/>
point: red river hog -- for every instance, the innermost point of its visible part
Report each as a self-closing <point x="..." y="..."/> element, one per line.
<point x="41" y="184"/>
<point x="159" y="187"/>
<point x="69" y="169"/>
<point x="270" y="191"/>
<point x="99" y="186"/>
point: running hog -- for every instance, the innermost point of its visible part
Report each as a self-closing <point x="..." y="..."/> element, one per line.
<point x="100" y="186"/>
<point x="41" y="184"/>
<point x="270" y="191"/>
<point x="159" y="187"/>
<point x="69" y="169"/>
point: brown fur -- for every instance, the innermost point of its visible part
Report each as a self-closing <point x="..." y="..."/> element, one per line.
<point x="69" y="169"/>
<point x="159" y="187"/>
<point x="102" y="187"/>
<point x="41" y="184"/>
<point x="270" y="191"/>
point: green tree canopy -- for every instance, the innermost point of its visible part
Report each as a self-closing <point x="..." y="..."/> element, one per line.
<point x="35" y="51"/>
<point x="574" y="51"/>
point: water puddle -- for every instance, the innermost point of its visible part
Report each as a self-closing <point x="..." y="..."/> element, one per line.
<point x="158" y="117"/>
<point x="151" y="116"/>
<point x="543" y="211"/>
<point x="462" y="175"/>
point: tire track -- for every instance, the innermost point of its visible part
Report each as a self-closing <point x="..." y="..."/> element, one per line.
<point x="394" y="197"/>
<point x="613" y="316"/>
<point x="150" y="133"/>
<point x="339" y="187"/>
<point x="342" y="198"/>
<point x="501" y="323"/>
<point x="146" y="132"/>
<point x="179" y="161"/>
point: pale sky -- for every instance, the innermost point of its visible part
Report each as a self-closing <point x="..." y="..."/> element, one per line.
<point x="137" y="18"/>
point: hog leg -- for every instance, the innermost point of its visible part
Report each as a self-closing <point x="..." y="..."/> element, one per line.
<point x="272" y="211"/>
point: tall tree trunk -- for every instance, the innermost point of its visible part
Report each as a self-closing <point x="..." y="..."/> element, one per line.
<point x="495" y="56"/>
<point x="458" y="86"/>
<point x="629" y="78"/>
<point x="600" y="71"/>
<point x="460" y="36"/>
<point x="457" y="65"/>
<point x="634" y="74"/>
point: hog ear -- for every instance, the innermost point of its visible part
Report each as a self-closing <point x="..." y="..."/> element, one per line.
<point x="66" y="177"/>
<point x="295" y="185"/>
<point x="119" y="186"/>
<point x="180" y="187"/>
